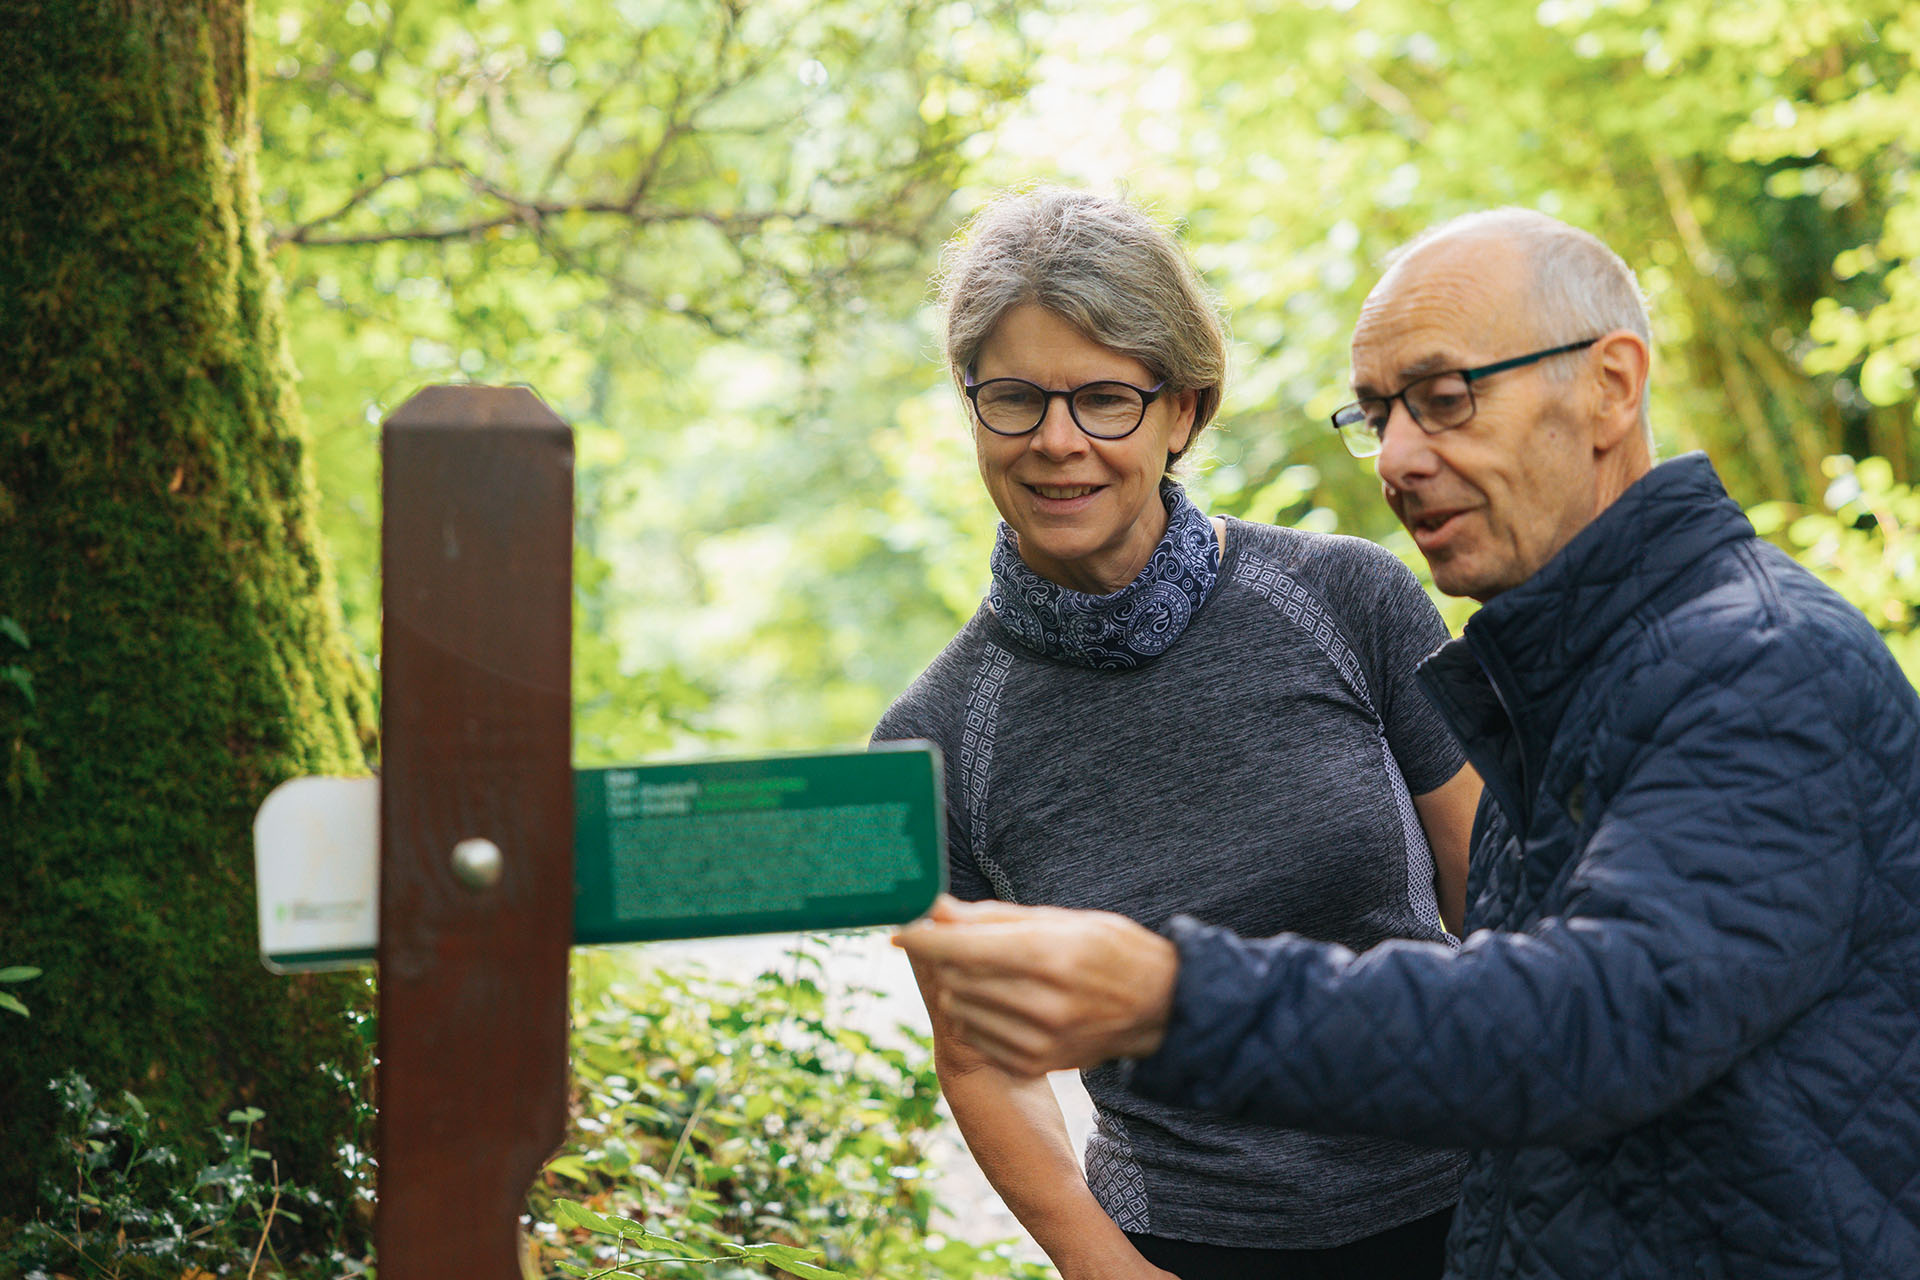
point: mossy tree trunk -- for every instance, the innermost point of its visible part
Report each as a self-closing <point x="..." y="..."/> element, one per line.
<point x="157" y="550"/>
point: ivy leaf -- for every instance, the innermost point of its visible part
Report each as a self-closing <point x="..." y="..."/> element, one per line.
<point x="640" y="1235"/>
<point x="797" y="1262"/>
<point x="807" y="1269"/>
<point x="19" y="973"/>
<point x="571" y="1213"/>
<point x="12" y="1005"/>
<point x="20" y="679"/>
<point x="572" y="1168"/>
<point x="14" y="632"/>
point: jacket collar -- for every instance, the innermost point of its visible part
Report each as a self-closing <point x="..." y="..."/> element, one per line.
<point x="1506" y="682"/>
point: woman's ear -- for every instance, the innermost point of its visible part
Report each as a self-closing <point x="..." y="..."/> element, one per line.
<point x="1185" y="405"/>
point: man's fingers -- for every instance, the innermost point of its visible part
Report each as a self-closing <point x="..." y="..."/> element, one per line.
<point x="1035" y="988"/>
<point x="947" y="909"/>
<point x="988" y="947"/>
<point x="951" y="910"/>
<point x="1036" y="997"/>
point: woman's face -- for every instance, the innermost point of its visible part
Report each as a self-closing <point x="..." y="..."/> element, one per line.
<point x="1088" y="511"/>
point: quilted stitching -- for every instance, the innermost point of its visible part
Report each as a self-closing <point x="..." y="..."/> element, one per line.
<point x="1686" y="1039"/>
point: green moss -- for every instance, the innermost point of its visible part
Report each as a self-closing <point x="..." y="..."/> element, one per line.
<point x="156" y="545"/>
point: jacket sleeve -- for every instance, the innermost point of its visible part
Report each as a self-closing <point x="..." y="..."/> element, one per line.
<point x="1708" y="907"/>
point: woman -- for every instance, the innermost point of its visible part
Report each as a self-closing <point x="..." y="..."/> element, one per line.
<point x="1154" y="712"/>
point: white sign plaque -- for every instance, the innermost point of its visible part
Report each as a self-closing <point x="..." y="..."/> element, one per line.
<point x="316" y="855"/>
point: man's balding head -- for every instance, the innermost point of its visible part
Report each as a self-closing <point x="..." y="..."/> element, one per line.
<point x="1575" y="283"/>
<point x="1549" y="444"/>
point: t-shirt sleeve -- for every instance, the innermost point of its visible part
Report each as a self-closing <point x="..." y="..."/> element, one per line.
<point x="905" y="719"/>
<point x="1401" y="630"/>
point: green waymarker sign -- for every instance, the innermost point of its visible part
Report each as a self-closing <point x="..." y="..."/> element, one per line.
<point x="699" y="850"/>
<point x="756" y="846"/>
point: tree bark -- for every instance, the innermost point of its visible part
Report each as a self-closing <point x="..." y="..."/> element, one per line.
<point x="157" y="549"/>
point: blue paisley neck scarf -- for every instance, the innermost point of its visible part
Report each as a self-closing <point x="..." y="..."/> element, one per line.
<point x="1134" y="624"/>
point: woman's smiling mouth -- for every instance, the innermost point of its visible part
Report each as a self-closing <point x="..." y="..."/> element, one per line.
<point x="1064" y="492"/>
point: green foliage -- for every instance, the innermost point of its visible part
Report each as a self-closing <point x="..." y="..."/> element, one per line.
<point x="24" y="776"/>
<point x="732" y="1130"/>
<point x="678" y="219"/>
<point x="1746" y="159"/>
<point x="1864" y="541"/>
<point x="127" y="1204"/>
<point x="621" y="1232"/>
<point x="719" y="1129"/>
<point x="15" y="973"/>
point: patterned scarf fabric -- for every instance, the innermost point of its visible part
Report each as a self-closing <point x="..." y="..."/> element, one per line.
<point x="1134" y="624"/>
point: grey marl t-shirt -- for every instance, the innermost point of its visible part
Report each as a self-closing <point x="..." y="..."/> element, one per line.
<point x="1242" y="777"/>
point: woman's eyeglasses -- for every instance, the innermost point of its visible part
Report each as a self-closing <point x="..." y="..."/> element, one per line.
<point x="1104" y="410"/>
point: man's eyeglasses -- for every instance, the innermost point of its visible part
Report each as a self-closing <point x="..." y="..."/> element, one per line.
<point x="1104" y="410"/>
<point x="1437" y="402"/>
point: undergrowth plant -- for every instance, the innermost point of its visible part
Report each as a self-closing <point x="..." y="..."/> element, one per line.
<point x="14" y="973"/>
<point x="126" y="1207"/>
<point x="740" y="1129"/>
<point x="723" y="1130"/>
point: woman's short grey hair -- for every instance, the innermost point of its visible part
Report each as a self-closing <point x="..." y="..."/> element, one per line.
<point x="1579" y="289"/>
<point x="1101" y="264"/>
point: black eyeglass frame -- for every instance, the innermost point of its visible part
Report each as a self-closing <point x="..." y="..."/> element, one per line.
<point x="1354" y="413"/>
<point x="1147" y="396"/>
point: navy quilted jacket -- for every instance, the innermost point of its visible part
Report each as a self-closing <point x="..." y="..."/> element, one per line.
<point x="1683" y="1035"/>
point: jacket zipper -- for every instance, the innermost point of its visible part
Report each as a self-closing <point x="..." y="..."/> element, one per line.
<point x="1514" y="798"/>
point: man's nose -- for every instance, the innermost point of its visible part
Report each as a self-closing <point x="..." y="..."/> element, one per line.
<point x="1406" y="451"/>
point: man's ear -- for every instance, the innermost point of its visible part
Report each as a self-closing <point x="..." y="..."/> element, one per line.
<point x="1619" y="362"/>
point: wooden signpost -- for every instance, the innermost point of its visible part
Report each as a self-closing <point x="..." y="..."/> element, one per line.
<point x="476" y="824"/>
<point x="494" y="856"/>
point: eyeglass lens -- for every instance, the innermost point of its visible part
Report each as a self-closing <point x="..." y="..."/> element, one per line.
<point x="1011" y="406"/>
<point x="1438" y="402"/>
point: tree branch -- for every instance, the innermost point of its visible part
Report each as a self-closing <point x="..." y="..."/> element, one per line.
<point x="304" y="232"/>
<point x="538" y="212"/>
<point x="591" y="115"/>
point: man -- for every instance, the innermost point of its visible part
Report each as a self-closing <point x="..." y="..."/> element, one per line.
<point x="1683" y="1034"/>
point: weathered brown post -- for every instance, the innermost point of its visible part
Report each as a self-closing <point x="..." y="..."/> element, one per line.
<point x="476" y="824"/>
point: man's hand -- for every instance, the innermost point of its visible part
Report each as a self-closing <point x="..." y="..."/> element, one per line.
<point x="1035" y="989"/>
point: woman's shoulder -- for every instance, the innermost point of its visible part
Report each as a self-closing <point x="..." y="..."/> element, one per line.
<point x="932" y="705"/>
<point x="1326" y="561"/>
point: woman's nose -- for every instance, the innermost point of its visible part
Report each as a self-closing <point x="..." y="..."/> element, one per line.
<point x="1058" y="435"/>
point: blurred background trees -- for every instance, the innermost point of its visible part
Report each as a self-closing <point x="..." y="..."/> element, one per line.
<point x="703" y="230"/>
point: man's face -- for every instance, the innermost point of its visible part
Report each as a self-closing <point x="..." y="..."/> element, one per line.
<point x="1489" y="502"/>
